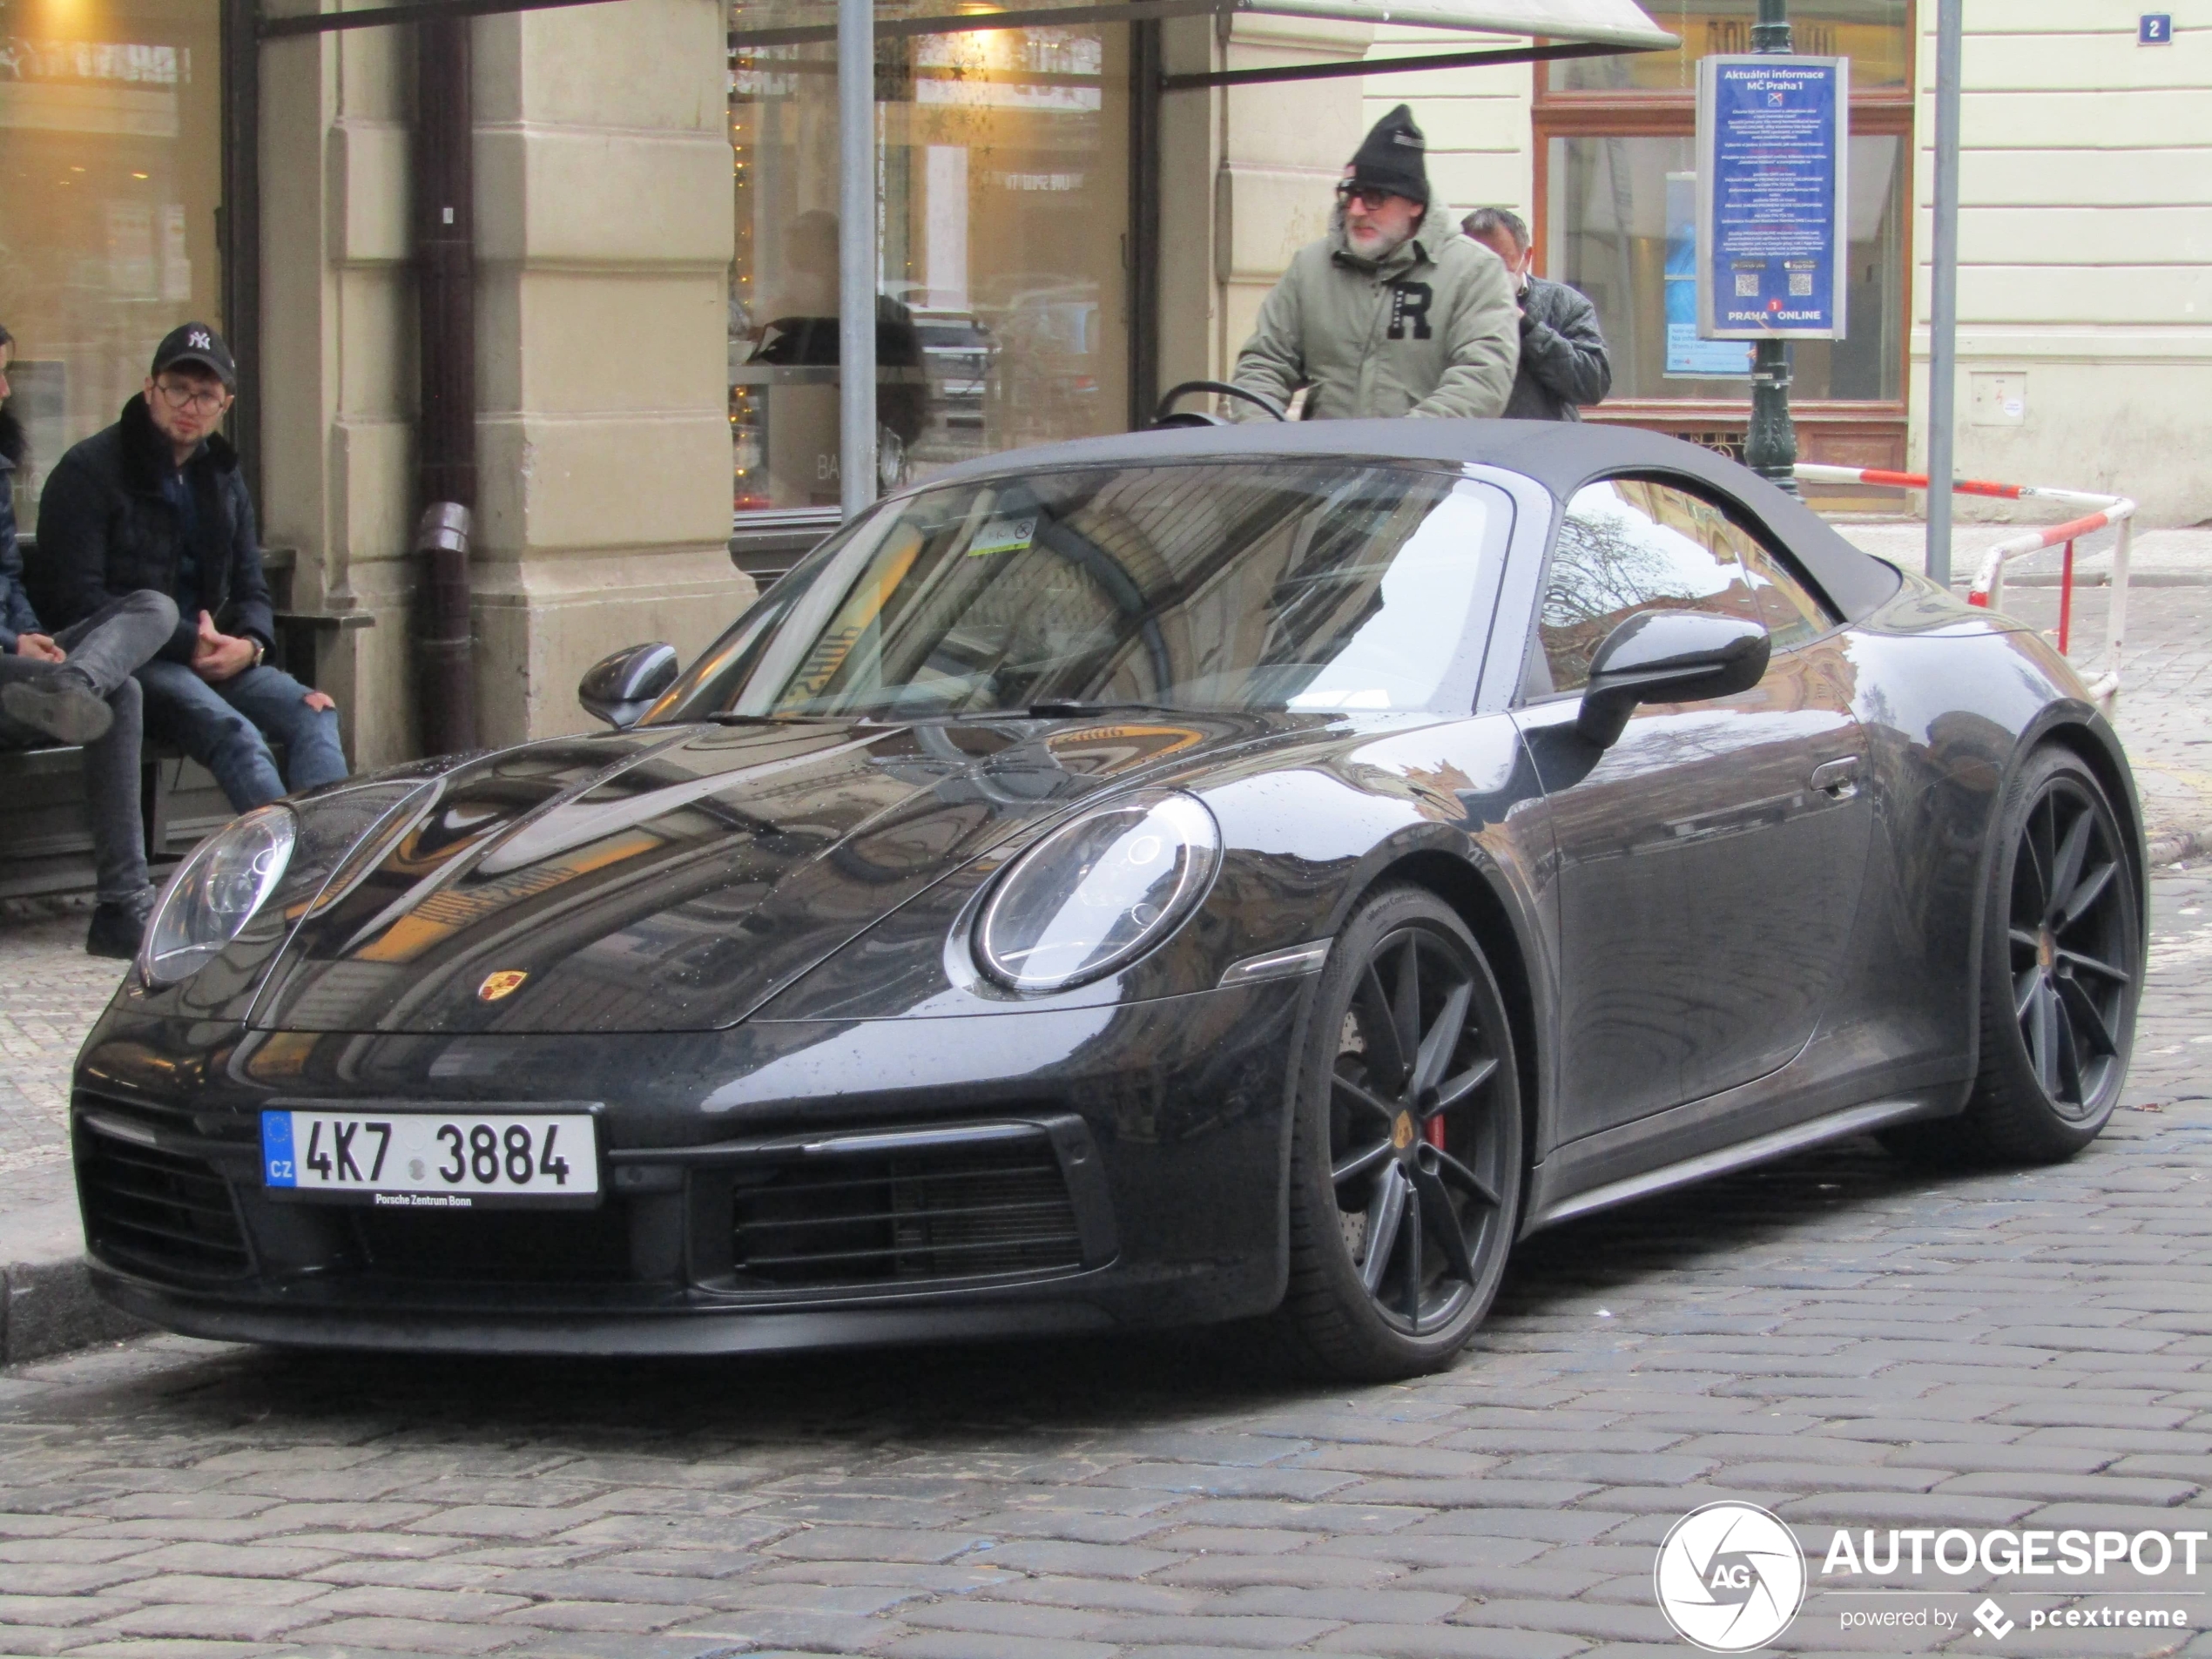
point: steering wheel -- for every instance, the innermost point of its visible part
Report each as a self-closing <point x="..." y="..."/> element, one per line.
<point x="1167" y="415"/>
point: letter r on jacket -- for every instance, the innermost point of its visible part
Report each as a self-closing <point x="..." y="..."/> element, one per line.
<point x="1410" y="301"/>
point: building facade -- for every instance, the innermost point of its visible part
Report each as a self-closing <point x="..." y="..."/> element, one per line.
<point x="1068" y="228"/>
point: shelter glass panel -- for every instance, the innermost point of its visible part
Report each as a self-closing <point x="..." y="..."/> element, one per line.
<point x="111" y="171"/>
<point x="1001" y="162"/>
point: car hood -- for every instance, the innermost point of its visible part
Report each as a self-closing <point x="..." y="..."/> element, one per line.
<point x="673" y="882"/>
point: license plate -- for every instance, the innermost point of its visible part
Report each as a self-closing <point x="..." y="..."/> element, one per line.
<point x="432" y="1161"/>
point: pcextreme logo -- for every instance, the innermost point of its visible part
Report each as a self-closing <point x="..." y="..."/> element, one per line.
<point x="1730" y="1577"/>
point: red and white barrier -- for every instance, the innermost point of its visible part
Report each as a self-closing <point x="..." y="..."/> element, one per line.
<point x="1989" y="581"/>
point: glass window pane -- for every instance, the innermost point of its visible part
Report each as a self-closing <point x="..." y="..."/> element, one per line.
<point x="1619" y="214"/>
<point x="1628" y="546"/>
<point x="1871" y="33"/>
<point x="111" y="122"/>
<point x="1001" y="157"/>
<point x="1794" y="615"/>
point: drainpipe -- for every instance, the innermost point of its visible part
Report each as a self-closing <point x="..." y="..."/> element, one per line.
<point x="445" y="433"/>
<point x="857" y="258"/>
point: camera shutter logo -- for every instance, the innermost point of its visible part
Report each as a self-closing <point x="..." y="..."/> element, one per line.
<point x="1730" y="1577"/>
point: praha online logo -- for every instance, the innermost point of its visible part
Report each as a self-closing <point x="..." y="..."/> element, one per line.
<point x="1730" y="1577"/>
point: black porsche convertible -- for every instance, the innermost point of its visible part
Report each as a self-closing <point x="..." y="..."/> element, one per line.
<point x="1204" y="875"/>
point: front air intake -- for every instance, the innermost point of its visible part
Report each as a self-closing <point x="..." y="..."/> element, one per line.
<point x="898" y="1210"/>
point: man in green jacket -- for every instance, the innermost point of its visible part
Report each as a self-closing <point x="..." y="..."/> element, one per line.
<point x="1393" y="311"/>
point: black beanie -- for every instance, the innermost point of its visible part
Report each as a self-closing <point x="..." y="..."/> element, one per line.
<point x="1393" y="157"/>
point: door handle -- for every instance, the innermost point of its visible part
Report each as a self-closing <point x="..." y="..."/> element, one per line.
<point x="1838" y="778"/>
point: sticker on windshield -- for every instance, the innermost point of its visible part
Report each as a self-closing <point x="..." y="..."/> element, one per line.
<point x="1003" y="536"/>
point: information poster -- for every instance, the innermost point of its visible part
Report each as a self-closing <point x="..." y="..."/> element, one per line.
<point x="1771" y="193"/>
<point x="1690" y="358"/>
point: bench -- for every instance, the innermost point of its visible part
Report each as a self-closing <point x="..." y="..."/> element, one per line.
<point x="46" y="830"/>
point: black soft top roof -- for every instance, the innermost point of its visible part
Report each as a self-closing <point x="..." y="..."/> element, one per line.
<point x="1562" y="456"/>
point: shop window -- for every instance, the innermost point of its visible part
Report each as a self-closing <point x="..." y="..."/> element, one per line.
<point x="111" y="132"/>
<point x="1615" y="212"/>
<point x="1618" y="218"/>
<point x="1002" y="166"/>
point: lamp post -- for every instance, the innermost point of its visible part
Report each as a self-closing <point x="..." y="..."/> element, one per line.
<point x="1771" y="445"/>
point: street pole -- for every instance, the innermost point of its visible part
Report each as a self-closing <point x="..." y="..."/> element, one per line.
<point x="856" y="254"/>
<point x="1942" y="288"/>
<point x="1771" y="445"/>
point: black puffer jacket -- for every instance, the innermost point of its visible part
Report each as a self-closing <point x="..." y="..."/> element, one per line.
<point x="106" y="530"/>
<point x="1563" y="360"/>
<point x="16" y="614"/>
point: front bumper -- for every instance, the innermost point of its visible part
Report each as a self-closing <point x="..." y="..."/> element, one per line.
<point x="1104" y="1167"/>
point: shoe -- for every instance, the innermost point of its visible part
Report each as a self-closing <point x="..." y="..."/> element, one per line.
<point x="118" y="929"/>
<point x="63" y="705"/>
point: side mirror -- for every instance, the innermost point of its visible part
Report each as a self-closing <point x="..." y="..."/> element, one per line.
<point x="620" y="688"/>
<point x="1668" y="657"/>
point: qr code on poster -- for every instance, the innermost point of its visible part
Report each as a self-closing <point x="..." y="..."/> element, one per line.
<point x="1800" y="283"/>
<point x="1747" y="285"/>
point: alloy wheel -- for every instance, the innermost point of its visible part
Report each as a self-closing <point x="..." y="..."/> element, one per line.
<point x="1413" y="1151"/>
<point x="2071" y="945"/>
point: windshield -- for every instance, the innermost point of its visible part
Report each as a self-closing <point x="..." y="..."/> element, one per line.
<point x="1329" y="587"/>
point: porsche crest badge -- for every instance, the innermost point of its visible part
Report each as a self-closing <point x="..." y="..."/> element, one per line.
<point x="505" y="982"/>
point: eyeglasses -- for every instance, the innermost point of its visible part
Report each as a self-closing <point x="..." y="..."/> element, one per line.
<point x="184" y="398"/>
<point x="1367" y="198"/>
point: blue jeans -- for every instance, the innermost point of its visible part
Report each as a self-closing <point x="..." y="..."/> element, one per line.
<point x="222" y="727"/>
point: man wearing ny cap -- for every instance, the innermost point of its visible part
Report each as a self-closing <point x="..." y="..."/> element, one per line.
<point x="156" y="501"/>
<point x="1393" y="311"/>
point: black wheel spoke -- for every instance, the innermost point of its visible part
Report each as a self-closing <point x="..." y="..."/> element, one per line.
<point x="1451" y="1169"/>
<point x="2043" y="1036"/>
<point x="1377" y="1024"/>
<point x="1384" y="1215"/>
<point x="2090" y="964"/>
<point x="1364" y="1098"/>
<point x="1405" y="1005"/>
<point x="2085" y="894"/>
<point x="1359" y="1163"/>
<point x="1453" y="1090"/>
<point x="2069" y="1049"/>
<point x="1415" y="1268"/>
<point x="2067" y="872"/>
<point x="1443" y="1037"/>
<point x="2033" y="843"/>
<point x="2085" y="1019"/>
<point x="1444" y="1221"/>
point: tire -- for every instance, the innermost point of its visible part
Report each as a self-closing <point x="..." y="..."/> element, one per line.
<point x="2063" y="956"/>
<point x="1409" y="1106"/>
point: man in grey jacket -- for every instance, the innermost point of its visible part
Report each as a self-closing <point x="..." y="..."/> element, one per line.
<point x="74" y="686"/>
<point x="1562" y="351"/>
<point x="1393" y="311"/>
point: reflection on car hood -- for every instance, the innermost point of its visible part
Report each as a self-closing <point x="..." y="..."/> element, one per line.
<point x="673" y="881"/>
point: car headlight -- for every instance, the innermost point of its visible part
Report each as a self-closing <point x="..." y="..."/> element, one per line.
<point x="210" y="900"/>
<point x="1098" y="893"/>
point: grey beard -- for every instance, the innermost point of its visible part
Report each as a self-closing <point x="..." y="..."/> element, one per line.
<point x="1381" y="250"/>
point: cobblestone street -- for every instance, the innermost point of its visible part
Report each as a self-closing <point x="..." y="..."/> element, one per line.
<point x="1845" y="1338"/>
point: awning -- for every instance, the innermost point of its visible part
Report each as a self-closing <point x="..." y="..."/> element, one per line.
<point x="1579" y="28"/>
<point x="1619" y="23"/>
